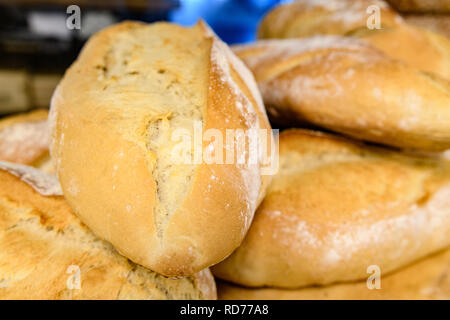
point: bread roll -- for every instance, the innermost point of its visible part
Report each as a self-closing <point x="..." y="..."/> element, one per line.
<point x="442" y="6"/>
<point x="337" y="207"/>
<point x="47" y="253"/>
<point x="24" y="139"/>
<point x="345" y="85"/>
<point x="113" y="118"/>
<point x="307" y="18"/>
<point x="427" y="279"/>
<point x="422" y="49"/>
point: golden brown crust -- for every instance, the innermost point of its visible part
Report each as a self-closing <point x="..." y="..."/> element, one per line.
<point x="24" y="139"/>
<point x="41" y="238"/>
<point x="427" y="279"/>
<point x="347" y="86"/>
<point x="337" y="207"/>
<point x="322" y="17"/>
<point x="439" y="23"/>
<point x="431" y="50"/>
<point x="166" y="217"/>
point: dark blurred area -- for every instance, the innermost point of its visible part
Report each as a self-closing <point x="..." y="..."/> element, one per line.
<point x="40" y="39"/>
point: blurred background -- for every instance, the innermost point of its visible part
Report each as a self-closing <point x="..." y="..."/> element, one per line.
<point x="39" y="39"/>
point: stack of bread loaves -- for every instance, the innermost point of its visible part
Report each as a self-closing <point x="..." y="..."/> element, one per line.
<point x="355" y="210"/>
<point x="149" y="227"/>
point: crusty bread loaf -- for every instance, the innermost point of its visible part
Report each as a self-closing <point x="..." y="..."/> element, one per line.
<point x="307" y="18"/>
<point x="421" y="48"/>
<point x="113" y="118"/>
<point x="442" y="6"/>
<point x="44" y="248"/>
<point x="337" y="207"/>
<point x="348" y="86"/>
<point x="427" y="279"/>
<point x="439" y="23"/>
<point x="24" y="139"/>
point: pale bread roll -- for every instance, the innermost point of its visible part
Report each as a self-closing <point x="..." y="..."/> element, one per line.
<point x="44" y="245"/>
<point x="24" y="139"/>
<point x="337" y="207"/>
<point x="347" y="86"/>
<point x="427" y="279"/>
<point x="113" y="118"/>
<point x="425" y="50"/>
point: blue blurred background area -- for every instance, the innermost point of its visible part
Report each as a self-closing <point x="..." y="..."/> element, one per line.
<point x="235" y="21"/>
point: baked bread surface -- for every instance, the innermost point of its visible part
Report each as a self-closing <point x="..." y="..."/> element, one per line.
<point x="426" y="279"/>
<point x="337" y="207"/>
<point x="43" y="244"/>
<point x="24" y="139"/>
<point x="323" y="17"/>
<point x="113" y="117"/>
<point x="345" y="85"/>
<point x="423" y="49"/>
